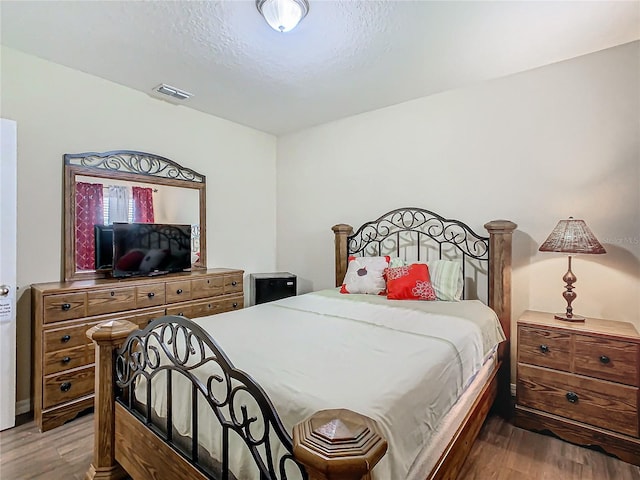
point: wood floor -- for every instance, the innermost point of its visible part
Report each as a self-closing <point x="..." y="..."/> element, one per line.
<point x="502" y="452"/>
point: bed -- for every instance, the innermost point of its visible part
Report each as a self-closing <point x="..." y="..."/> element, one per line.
<point x="161" y="392"/>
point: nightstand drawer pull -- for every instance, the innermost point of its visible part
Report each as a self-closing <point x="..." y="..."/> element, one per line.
<point x="179" y="291"/>
<point x="66" y="359"/>
<point x="235" y="304"/>
<point x="604" y="359"/>
<point x="234" y="283"/>
<point x="65" y="338"/>
<point x="544" y="349"/>
<point x="151" y="294"/>
<point x="66" y="306"/>
<point x="572" y="397"/>
<point x="65" y="387"/>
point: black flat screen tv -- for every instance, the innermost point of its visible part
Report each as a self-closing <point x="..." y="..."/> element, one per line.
<point x="145" y="249"/>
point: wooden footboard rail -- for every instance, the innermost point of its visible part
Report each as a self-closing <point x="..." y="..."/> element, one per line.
<point x="129" y="441"/>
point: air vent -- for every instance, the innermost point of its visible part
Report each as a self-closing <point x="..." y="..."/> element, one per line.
<point x="172" y="92"/>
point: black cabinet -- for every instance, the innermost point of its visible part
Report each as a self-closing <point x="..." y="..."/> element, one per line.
<point x="267" y="287"/>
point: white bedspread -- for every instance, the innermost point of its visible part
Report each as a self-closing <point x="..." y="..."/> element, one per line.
<point x="402" y="363"/>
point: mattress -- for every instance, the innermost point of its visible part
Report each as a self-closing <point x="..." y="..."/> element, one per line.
<point x="403" y="363"/>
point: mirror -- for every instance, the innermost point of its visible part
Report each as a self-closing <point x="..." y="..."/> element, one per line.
<point x="103" y="187"/>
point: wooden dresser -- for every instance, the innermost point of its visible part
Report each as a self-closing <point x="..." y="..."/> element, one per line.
<point x="580" y="380"/>
<point x="63" y="357"/>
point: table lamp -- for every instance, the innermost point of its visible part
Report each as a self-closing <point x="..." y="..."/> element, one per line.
<point x="571" y="236"/>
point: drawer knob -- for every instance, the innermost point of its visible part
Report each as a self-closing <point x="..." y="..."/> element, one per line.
<point x="151" y="294"/>
<point x="181" y="314"/>
<point x="66" y="306"/>
<point x="544" y="349"/>
<point x="235" y="304"/>
<point x="66" y="359"/>
<point x="65" y="338"/>
<point x="65" y="387"/>
<point x="113" y="294"/>
<point x="234" y="283"/>
<point x="179" y="291"/>
<point x="572" y="397"/>
<point x="604" y="359"/>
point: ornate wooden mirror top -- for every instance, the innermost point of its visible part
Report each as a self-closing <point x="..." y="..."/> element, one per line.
<point x="152" y="189"/>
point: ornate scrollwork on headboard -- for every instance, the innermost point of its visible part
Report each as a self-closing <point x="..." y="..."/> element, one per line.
<point x="420" y="222"/>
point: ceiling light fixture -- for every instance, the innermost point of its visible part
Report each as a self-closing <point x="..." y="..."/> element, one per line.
<point x="283" y="15"/>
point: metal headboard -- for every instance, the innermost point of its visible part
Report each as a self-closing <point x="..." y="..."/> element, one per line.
<point x="416" y="234"/>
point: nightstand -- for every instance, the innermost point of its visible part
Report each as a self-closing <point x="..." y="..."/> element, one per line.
<point x="580" y="381"/>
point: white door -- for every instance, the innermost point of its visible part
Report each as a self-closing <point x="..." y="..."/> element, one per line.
<point x="8" y="215"/>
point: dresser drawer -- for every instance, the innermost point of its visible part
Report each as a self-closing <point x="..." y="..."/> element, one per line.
<point x="613" y="360"/>
<point x="66" y="337"/>
<point x="143" y="319"/>
<point x="64" y="306"/>
<point x="178" y="291"/>
<point x="203" y="309"/>
<point x="596" y="402"/>
<point x="66" y="359"/>
<point x="547" y="348"/>
<point x="150" y="295"/>
<point x="68" y="385"/>
<point x="233" y="283"/>
<point x="207" y="287"/>
<point x="112" y="300"/>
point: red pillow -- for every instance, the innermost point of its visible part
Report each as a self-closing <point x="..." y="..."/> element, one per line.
<point x="410" y="282"/>
<point x="130" y="261"/>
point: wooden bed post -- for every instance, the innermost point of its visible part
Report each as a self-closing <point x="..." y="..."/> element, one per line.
<point x="338" y="445"/>
<point x="107" y="337"/>
<point x="500" y="234"/>
<point x="341" y="232"/>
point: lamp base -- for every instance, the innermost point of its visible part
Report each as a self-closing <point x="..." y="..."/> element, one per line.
<point x="572" y="318"/>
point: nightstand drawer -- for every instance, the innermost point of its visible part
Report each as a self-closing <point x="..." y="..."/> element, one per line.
<point x="607" y="359"/>
<point x="546" y="348"/>
<point x="595" y="402"/>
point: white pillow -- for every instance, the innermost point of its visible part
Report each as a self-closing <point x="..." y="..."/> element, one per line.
<point x="152" y="259"/>
<point x="365" y="275"/>
<point x="446" y="278"/>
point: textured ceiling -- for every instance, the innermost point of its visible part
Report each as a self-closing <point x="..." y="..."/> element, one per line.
<point x="345" y="57"/>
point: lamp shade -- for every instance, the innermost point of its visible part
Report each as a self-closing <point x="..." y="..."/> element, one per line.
<point x="283" y="15"/>
<point x="572" y="236"/>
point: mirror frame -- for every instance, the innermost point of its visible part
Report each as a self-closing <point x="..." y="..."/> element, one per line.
<point x="124" y="165"/>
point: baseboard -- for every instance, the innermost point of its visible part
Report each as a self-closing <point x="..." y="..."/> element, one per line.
<point x="23" y="406"/>
<point x="513" y="389"/>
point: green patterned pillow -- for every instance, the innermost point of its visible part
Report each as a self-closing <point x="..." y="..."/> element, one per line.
<point x="446" y="277"/>
<point x="396" y="262"/>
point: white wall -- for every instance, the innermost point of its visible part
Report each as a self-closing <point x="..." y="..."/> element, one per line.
<point x="60" y="110"/>
<point x="532" y="148"/>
